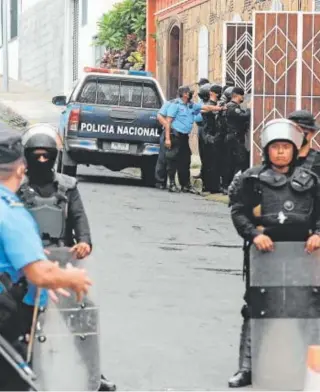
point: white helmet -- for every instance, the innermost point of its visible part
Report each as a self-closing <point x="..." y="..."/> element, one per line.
<point x="41" y="135"/>
<point x="281" y="129"/>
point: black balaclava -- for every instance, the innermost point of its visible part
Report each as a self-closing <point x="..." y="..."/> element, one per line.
<point x="40" y="173"/>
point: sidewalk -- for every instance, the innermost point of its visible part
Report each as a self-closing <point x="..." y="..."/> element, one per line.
<point x="24" y="105"/>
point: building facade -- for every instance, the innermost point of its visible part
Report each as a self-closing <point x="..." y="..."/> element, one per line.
<point x="189" y="39"/>
<point x="51" y="41"/>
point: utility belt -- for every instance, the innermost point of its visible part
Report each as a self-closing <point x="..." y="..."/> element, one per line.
<point x="11" y="298"/>
<point x="178" y="134"/>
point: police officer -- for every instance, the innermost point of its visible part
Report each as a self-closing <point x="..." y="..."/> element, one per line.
<point x="23" y="264"/>
<point x="181" y="116"/>
<point x="161" y="166"/>
<point x="237" y="121"/>
<point x="276" y="201"/>
<point x="307" y="123"/>
<point x="199" y="121"/>
<point x="45" y="188"/>
<point x="212" y="145"/>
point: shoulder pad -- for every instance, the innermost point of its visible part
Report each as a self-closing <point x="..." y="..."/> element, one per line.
<point x="11" y="201"/>
<point x="66" y="181"/>
<point x="253" y="172"/>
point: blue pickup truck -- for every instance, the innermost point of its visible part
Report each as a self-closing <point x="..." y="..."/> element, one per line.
<point x="110" y="119"/>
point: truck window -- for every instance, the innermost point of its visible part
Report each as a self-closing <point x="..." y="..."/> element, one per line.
<point x="151" y="98"/>
<point x="119" y="93"/>
<point x="131" y="94"/>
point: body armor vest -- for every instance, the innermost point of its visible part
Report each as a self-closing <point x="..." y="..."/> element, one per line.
<point x="49" y="212"/>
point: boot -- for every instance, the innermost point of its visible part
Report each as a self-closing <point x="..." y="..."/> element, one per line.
<point x="243" y="376"/>
<point x="190" y="189"/>
<point x="173" y="187"/>
<point x="106" y="385"/>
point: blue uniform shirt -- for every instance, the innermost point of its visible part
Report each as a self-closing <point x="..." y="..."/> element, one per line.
<point x="183" y="115"/>
<point x="164" y="108"/>
<point x="199" y="117"/>
<point x="20" y="243"/>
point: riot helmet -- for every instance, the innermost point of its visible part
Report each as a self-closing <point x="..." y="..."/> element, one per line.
<point x="215" y="88"/>
<point x="204" y="92"/>
<point x="227" y="94"/>
<point x="280" y="130"/>
<point x="306" y="122"/>
<point x="41" y="142"/>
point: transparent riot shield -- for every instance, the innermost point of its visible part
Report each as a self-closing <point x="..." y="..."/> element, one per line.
<point x="285" y="314"/>
<point x="66" y="353"/>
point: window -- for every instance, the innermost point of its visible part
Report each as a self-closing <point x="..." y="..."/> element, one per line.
<point x="84" y="13"/>
<point x="317" y="5"/>
<point x="116" y="93"/>
<point x="203" y="54"/>
<point x="13" y="19"/>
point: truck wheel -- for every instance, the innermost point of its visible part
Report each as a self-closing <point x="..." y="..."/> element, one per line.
<point x="148" y="172"/>
<point x="69" y="170"/>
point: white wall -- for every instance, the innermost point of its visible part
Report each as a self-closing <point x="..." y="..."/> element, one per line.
<point x="96" y="9"/>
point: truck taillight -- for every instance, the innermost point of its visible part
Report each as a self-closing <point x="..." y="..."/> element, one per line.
<point x="74" y="120"/>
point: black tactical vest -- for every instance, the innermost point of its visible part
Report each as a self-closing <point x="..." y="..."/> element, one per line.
<point x="49" y="212"/>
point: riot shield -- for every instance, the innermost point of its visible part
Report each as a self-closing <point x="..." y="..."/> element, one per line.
<point x="66" y="354"/>
<point x="285" y="314"/>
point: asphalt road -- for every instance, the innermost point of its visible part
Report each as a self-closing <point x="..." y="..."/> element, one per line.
<point x="169" y="270"/>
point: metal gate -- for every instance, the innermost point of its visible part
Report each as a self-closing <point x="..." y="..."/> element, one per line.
<point x="75" y="40"/>
<point x="286" y="69"/>
<point x="237" y="61"/>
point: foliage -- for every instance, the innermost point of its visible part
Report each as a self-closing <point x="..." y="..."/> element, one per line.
<point x="124" y="19"/>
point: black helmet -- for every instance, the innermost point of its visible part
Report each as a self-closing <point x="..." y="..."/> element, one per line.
<point x="304" y="119"/>
<point x="204" y="92"/>
<point x="41" y="135"/>
<point x="183" y="90"/>
<point x="228" y="93"/>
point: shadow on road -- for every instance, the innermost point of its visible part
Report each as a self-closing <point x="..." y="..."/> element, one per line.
<point x="110" y="180"/>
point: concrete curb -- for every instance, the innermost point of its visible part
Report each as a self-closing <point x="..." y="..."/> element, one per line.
<point x="13" y="118"/>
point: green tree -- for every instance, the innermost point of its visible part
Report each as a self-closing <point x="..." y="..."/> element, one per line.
<point x="125" y="18"/>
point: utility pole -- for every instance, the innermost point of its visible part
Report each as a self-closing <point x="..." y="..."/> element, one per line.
<point x="5" y="52"/>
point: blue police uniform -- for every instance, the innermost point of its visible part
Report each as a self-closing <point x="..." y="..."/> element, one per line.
<point x="161" y="167"/>
<point x="179" y="155"/>
<point x="183" y="115"/>
<point x="20" y="243"/>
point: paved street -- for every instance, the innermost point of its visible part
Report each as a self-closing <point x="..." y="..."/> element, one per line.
<point x="170" y="281"/>
<point x="169" y="269"/>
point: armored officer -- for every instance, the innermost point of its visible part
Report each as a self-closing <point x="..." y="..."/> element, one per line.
<point x="275" y="201"/>
<point x="307" y="123"/>
<point x="237" y="121"/>
<point x="212" y="145"/>
<point x="54" y="200"/>
<point x="23" y="263"/>
<point x="199" y="121"/>
<point x="161" y="166"/>
<point x="181" y="116"/>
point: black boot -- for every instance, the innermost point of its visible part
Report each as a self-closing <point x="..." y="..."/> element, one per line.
<point x="106" y="385"/>
<point x="243" y="376"/>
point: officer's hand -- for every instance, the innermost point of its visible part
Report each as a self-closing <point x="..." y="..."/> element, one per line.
<point x="167" y="143"/>
<point x="81" y="250"/>
<point x="53" y="294"/>
<point x="313" y="243"/>
<point x="79" y="281"/>
<point x="263" y="243"/>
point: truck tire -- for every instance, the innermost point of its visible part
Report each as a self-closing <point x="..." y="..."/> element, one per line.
<point x="148" y="172"/>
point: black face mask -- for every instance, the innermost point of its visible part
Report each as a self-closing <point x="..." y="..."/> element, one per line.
<point x="40" y="172"/>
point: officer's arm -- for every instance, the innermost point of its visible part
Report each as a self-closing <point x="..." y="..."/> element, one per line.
<point x="23" y="248"/>
<point x="162" y="120"/>
<point x="241" y="214"/>
<point x="77" y="217"/>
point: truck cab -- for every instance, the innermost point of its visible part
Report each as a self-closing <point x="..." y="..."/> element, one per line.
<point x="110" y="119"/>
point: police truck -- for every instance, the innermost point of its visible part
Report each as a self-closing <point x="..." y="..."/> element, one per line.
<point x="110" y="119"/>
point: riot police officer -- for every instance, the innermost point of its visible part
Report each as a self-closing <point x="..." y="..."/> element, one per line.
<point x="212" y="144"/>
<point x="61" y="219"/>
<point x="237" y="121"/>
<point x="180" y="119"/>
<point x="275" y="201"/>
<point x="199" y="121"/>
<point x="23" y="264"/>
